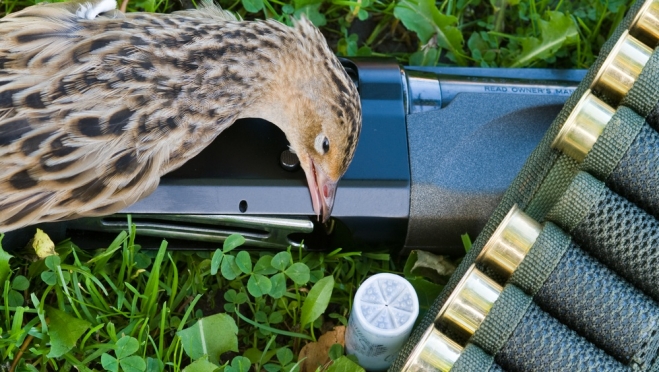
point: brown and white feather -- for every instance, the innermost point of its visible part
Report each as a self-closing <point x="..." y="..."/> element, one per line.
<point x="94" y="112"/>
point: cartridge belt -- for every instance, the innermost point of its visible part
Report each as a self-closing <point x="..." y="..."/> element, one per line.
<point x="565" y="275"/>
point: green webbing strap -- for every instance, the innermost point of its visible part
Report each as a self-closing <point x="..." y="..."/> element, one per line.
<point x="540" y="262"/>
<point x="556" y="182"/>
<point x="613" y="143"/>
<point x="502" y="319"/>
<point x="644" y="94"/>
<point x="581" y="196"/>
<point x="654" y="367"/>
<point x="473" y="359"/>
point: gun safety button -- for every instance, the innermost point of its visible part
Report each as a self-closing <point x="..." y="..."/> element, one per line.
<point x="289" y="160"/>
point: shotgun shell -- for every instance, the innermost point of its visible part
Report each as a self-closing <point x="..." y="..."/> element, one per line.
<point x="470" y="301"/>
<point x="582" y="128"/>
<point x="621" y="69"/>
<point x="510" y="243"/>
<point x="434" y="352"/>
<point x="645" y="26"/>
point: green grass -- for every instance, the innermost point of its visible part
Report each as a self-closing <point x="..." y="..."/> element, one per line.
<point x="122" y="308"/>
<point x="494" y="33"/>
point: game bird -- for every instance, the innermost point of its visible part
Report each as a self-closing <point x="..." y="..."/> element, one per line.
<point x="97" y="105"/>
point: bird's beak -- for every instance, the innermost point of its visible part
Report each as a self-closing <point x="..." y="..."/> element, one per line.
<point x="322" y="190"/>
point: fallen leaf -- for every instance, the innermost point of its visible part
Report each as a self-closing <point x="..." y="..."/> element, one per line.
<point x="317" y="353"/>
<point x="42" y="245"/>
<point x="441" y="264"/>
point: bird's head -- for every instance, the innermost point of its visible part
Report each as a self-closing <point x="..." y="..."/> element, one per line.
<point x="326" y="144"/>
<point x="316" y="104"/>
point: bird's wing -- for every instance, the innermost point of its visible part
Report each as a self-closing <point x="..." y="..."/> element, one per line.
<point x="84" y="130"/>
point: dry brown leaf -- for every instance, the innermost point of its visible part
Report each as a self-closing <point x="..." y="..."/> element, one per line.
<point x="441" y="264"/>
<point x="317" y="353"/>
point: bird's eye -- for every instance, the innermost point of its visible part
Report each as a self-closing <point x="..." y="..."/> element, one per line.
<point x="322" y="144"/>
<point x="325" y="145"/>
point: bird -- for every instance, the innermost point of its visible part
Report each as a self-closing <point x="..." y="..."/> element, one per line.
<point x="96" y="105"/>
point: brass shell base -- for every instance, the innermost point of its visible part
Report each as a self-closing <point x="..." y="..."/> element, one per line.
<point x="645" y="26"/>
<point x="510" y="243"/>
<point x="434" y="352"/>
<point x="583" y="127"/>
<point x="621" y="69"/>
<point x="470" y="301"/>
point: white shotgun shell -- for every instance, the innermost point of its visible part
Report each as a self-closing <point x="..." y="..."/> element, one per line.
<point x="383" y="313"/>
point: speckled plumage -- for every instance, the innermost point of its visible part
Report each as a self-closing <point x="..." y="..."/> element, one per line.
<point x="94" y="111"/>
